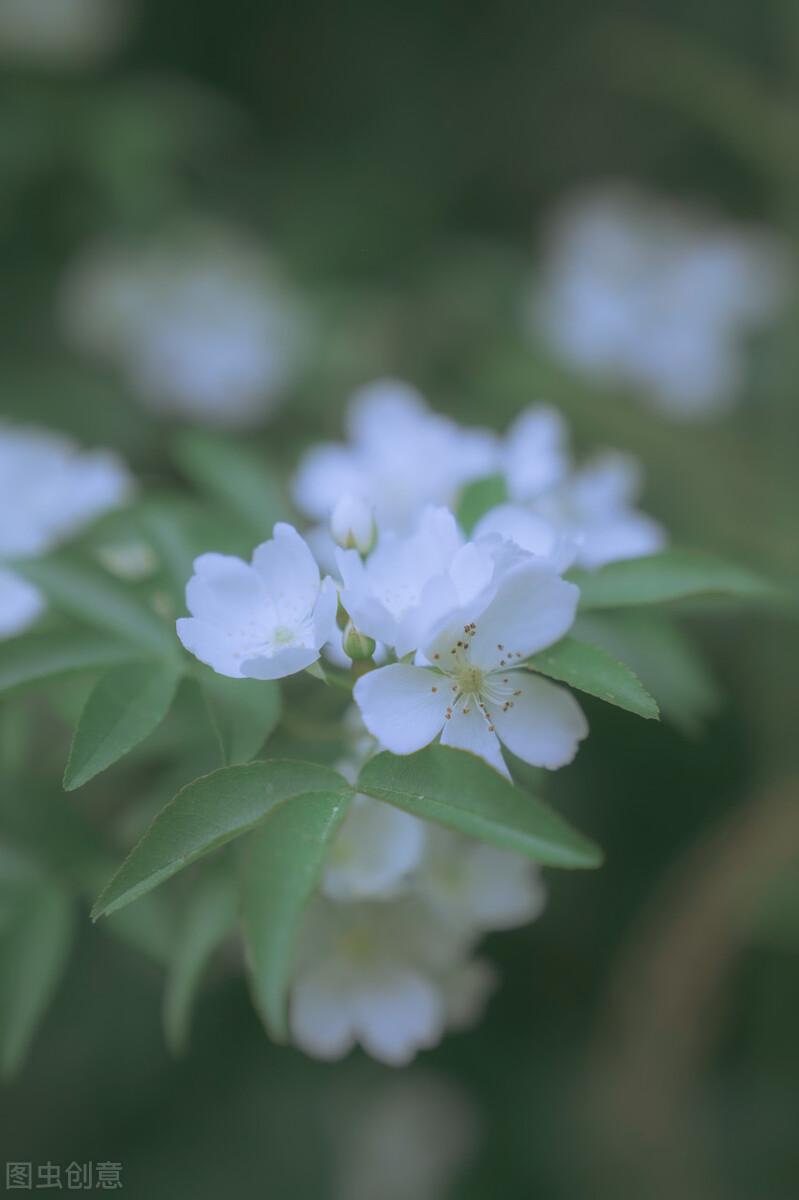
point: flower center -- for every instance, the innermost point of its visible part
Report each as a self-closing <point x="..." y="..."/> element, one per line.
<point x="283" y="636"/>
<point x="470" y="680"/>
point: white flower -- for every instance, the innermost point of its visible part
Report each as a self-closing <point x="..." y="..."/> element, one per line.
<point x="197" y="323"/>
<point x="352" y="524"/>
<point x="483" y="888"/>
<point x="587" y="514"/>
<point x="400" y="458"/>
<point x="67" y="32"/>
<point x="637" y="292"/>
<point x="373" y="853"/>
<point x="49" y="490"/>
<point x="376" y="974"/>
<point x="262" y="620"/>
<point x="473" y="690"/>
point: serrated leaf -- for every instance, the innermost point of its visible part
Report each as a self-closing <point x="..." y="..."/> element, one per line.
<point x="36" y="656"/>
<point x="671" y="575"/>
<point x="208" y="918"/>
<point x="93" y="597"/>
<point x="235" y="475"/>
<point x="664" y="658"/>
<point x="243" y="713"/>
<point x="126" y="705"/>
<point x="596" y="672"/>
<point x="284" y="859"/>
<point x="36" y="924"/>
<point x="208" y="813"/>
<point x="459" y="790"/>
<point x="480" y="497"/>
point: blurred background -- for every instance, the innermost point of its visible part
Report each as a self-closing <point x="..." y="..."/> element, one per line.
<point x="238" y="215"/>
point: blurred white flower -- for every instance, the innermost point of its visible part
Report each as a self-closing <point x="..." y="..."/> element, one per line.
<point x="65" y="32"/>
<point x="639" y="292"/>
<point x="468" y="685"/>
<point x="260" y="620"/>
<point x="400" y="457"/>
<point x="49" y="490"/>
<point x="466" y="882"/>
<point x="197" y="323"/>
<point x="373" y="973"/>
<point x="374" y="852"/>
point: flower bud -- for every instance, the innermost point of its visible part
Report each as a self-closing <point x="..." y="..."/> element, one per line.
<point x="352" y="524"/>
<point x="357" y="645"/>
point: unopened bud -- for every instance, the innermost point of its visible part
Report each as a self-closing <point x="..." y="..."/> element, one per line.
<point x="357" y="645"/>
<point x="352" y="524"/>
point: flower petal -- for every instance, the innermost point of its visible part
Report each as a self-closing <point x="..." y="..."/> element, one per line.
<point x="467" y="729"/>
<point x="287" y="661"/>
<point x="288" y="571"/>
<point x="532" y="609"/>
<point x="398" y="1012"/>
<point x="224" y="591"/>
<point x="321" y="1015"/>
<point x="402" y="706"/>
<point x="211" y="645"/>
<point x="544" y="725"/>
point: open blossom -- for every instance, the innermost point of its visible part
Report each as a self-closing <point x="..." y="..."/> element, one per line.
<point x="376" y="974"/>
<point x="469" y="683"/>
<point x="400" y="457"/>
<point x="638" y="292"/>
<point x="196" y="322"/>
<point x="584" y="514"/>
<point x="260" y="620"/>
<point x="49" y="489"/>
<point x="467" y="882"/>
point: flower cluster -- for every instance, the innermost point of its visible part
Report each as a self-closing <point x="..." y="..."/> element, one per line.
<point x="196" y="322"/>
<point x="444" y="628"/>
<point x="635" y="291"/>
<point x="49" y="489"/>
<point x="387" y="953"/>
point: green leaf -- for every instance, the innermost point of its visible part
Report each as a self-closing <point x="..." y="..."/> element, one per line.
<point x="126" y="705"/>
<point x="459" y="790"/>
<point x="208" y="813"/>
<point x="672" y="575"/>
<point x="596" y="672"/>
<point x="36" y="656"/>
<point x="93" y="597"/>
<point x="664" y="658"/>
<point x="235" y="475"/>
<point x="36" y="925"/>
<point x="285" y="857"/>
<point x="209" y="918"/>
<point x="480" y="497"/>
<point x="243" y="713"/>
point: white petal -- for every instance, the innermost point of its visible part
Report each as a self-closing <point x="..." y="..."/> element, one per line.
<point x="211" y="645"/>
<point x="545" y="724"/>
<point x="324" y="614"/>
<point x="467" y="729"/>
<point x="504" y="890"/>
<point x="224" y="591"/>
<point x="629" y="535"/>
<point x="536" y="455"/>
<point x="325" y="473"/>
<point x="373" y="852"/>
<point x="322" y="1022"/>
<point x="20" y="603"/>
<point x="533" y="608"/>
<point x="288" y="571"/>
<point x="467" y="990"/>
<point x="532" y="532"/>
<point x="398" y="1013"/>
<point x="287" y="661"/>
<point x="402" y="706"/>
